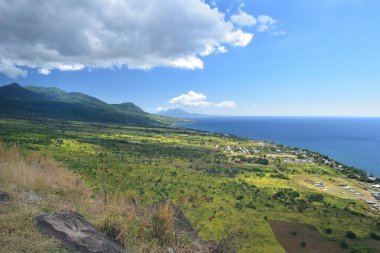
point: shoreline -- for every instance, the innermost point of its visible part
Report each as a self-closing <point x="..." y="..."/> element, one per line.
<point x="185" y="126"/>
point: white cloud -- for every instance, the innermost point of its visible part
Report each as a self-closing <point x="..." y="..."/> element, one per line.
<point x="73" y="35"/>
<point x="243" y="19"/>
<point x="44" y="71"/>
<point x="191" y="98"/>
<point x="194" y="99"/>
<point x="227" y="104"/>
<point x="11" y="70"/>
<point x="265" y="23"/>
<point x="278" y="33"/>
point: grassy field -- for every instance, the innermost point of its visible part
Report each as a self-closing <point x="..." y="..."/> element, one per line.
<point x="221" y="182"/>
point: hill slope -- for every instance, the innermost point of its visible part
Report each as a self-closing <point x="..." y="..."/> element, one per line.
<point x="31" y="101"/>
<point x="224" y="184"/>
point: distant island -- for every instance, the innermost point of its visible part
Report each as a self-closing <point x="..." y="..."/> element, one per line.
<point x="180" y="113"/>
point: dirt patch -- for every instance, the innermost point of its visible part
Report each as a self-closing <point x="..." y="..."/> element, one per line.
<point x="301" y="238"/>
<point x="373" y="245"/>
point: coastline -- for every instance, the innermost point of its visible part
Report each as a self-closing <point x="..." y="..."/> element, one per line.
<point x="196" y="124"/>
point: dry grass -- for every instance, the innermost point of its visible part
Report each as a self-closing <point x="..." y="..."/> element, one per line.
<point x="23" y="179"/>
<point x="39" y="174"/>
<point x="139" y="228"/>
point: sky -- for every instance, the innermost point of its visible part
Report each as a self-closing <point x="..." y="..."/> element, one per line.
<point x="230" y="57"/>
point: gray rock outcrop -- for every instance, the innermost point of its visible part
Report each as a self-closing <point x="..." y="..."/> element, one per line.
<point x="76" y="233"/>
<point x="4" y="198"/>
<point x="183" y="226"/>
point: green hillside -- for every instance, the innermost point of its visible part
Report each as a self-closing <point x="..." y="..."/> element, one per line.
<point x="223" y="183"/>
<point x="31" y="102"/>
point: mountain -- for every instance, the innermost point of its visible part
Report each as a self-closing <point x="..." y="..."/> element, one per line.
<point x="32" y="101"/>
<point x="180" y="113"/>
<point x="129" y="107"/>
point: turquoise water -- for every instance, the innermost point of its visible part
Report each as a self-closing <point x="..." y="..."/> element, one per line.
<point x="352" y="141"/>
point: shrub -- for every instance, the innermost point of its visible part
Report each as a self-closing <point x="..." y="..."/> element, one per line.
<point x="262" y="161"/>
<point x="351" y="235"/>
<point x="303" y="244"/>
<point x="279" y="175"/>
<point x="301" y="205"/>
<point x="329" y="231"/>
<point x="240" y="197"/>
<point x="315" y="197"/>
<point x="229" y="238"/>
<point x="163" y="224"/>
<point x="374" y="236"/>
<point x="251" y="205"/>
<point x="279" y="195"/>
<point x="110" y="224"/>
<point x="293" y="233"/>
<point x="294" y="194"/>
<point x="343" y="245"/>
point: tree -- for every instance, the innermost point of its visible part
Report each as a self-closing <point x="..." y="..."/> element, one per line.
<point x="107" y="182"/>
<point x="351" y="235"/>
<point x="228" y="238"/>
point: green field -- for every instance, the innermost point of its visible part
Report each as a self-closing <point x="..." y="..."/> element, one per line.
<point x="220" y="181"/>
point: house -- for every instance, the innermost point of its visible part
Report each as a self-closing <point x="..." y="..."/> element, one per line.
<point x="376" y="186"/>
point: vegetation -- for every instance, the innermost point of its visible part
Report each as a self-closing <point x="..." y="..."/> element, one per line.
<point x="351" y="235"/>
<point x="123" y="162"/>
<point x="228" y="199"/>
<point x="39" y="184"/>
<point x="55" y="103"/>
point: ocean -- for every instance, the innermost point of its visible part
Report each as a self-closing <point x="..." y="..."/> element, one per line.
<point x="352" y="141"/>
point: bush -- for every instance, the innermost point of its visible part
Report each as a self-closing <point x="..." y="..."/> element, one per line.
<point x="344" y="245"/>
<point x="279" y="175"/>
<point x="240" y="197"/>
<point x="262" y="161"/>
<point x="251" y="205"/>
<point x="315" y="197"/>
<point x="301" y="205"/>
<point x="303" y="244"/>
<point x="351" y="235"/>
<point x="374" y="236"/>
<point x="279" y="195"/>
<point x="329" y="231"/>
<point x="293" y="233"/>
<point x="294" y="194"/>
<point x="163" y="224"/>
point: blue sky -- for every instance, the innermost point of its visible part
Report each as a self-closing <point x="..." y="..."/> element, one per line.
<point x="320" y="58"/>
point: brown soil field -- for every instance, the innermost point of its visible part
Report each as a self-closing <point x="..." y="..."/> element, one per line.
<point x="290" y="235"/>
<point x="373" y="245"/>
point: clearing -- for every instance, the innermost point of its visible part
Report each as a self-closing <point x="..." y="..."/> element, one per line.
<point x="290" y="235"/>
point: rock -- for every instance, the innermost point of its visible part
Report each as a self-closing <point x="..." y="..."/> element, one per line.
<point x="183" y="226"/>
<point x="4" y="198"/>
<point x="170" y="250"/>
<point x="33" y="197"/>
<point x="76" y="233"/>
